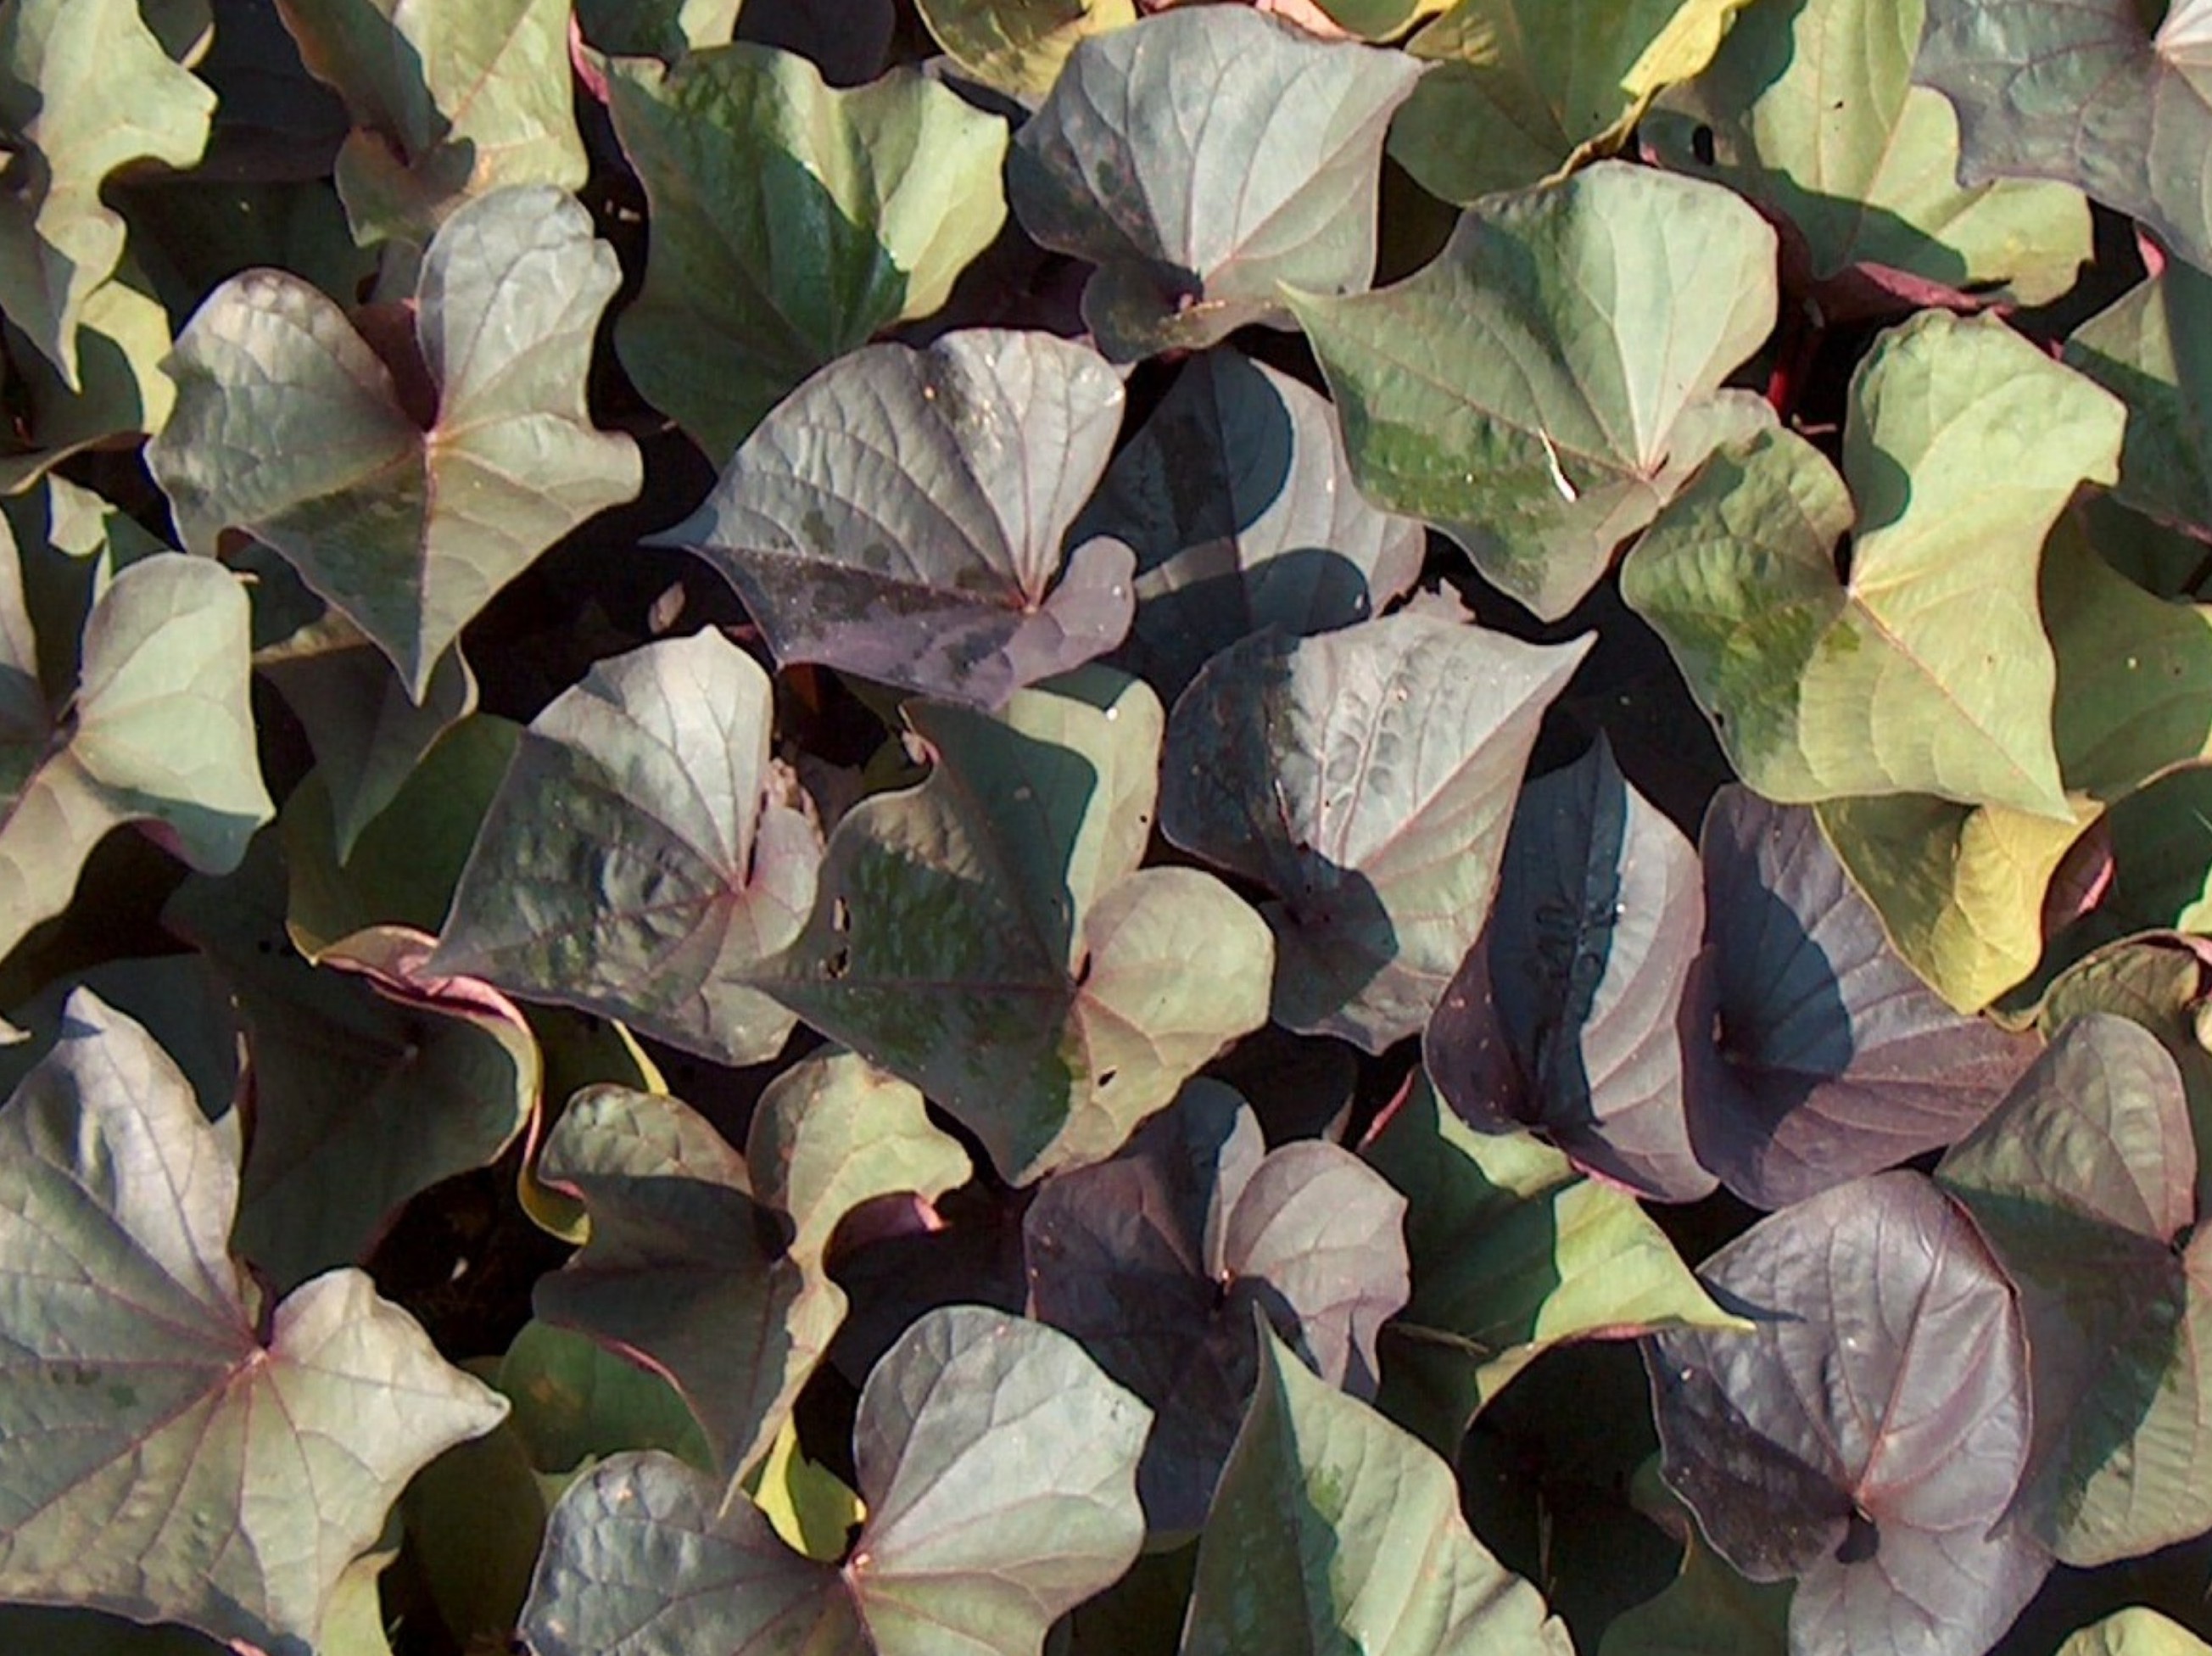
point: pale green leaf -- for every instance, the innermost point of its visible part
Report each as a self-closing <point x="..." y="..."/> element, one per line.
<point x="1018" y="46"/>
<point x="448" y="103"/>
<point x="1332" y="1530"/>
<point x="86" y="88"/>
<point x="1927" y="669"/>
<point x="2153" y="349"/>
<point x="1549" y="383"/>
<point x="833" y="1131"/>
<point x="1810" y="110"/>
<point x="161" y="732"/>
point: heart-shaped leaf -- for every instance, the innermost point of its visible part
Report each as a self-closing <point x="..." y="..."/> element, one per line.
<point x="159" y="730"/>
<point x="1513" y="1252"/>
<point x="1926" y="669"/>
<point x="1809" y="110"/>
<point x="988" y="935"/>
<point x="1366" y="776"/>
<point x="1239" y="501"/>
<point x="1563" y="1015"/>
<point x="2085" y="91"/>
<point x="2153" y="349"/>
<point x="2083" y="1183"/>
<point x="1018" y="46"/>
<point x="789" y="221"/>
<point x="404" y="867"/>
<point x="1867" y="1437"/>
<point x="1524" y="90"/>
<point x="405" y="506"/>
<point x="900" y="515"/>
<point x="175" y="1451"/>
<point x="122" y="340"/>
<point x="657" y="28"/>
<point x="684" y="1273"/>
<point x="998" y="1468"/>
<point x="1536" y="408"/>
<point x="446" y="106"/>
<point x="654" y="776"/>
<point x="368" y="732"/>
<point x="1199" y="160"/>
<point x="1333" y="1528"/>
<point x="1157" y="1259"/>
<point x="373" y="1077"/>
<point x="86" y="88"/>
<point x="1962" y="889"/>
<point x="832" y="1132"/>
<point x="1814" y="1053"/>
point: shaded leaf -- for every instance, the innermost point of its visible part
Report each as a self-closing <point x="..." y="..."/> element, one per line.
<point x="373" y="1079"/>
<point x="1239" y="501"/>
<point x="788" y="222"/>
<point x="644" y="858"/>
<point x="988" y="935"/>
<point x="657" y="28"/>
<point x="446" y="106"/>
<point x="1809" y="110"/>
<point x="369" y="733"/>
<point x="1334" y="1528"/>
<point x="1707" y="1607"/>
<point x="832" y="1132"/>
<point x="406" y="862"/>
<point x="158" y="731"/>
<point x="1157" y="1259"/>
<point x="407" y="520"/>
<point x="1366" y="777"/>
<point x="2153" y="349"/>
<point x="1201" y="160"/>
<point x="122" y="341"/>
<point x="1564" y="1016"/>
<point x="86" y="88"/>
<point x="1926" y="670"/>
<point x="1513" y="1252"/>
<point x="575" y="1402"/>
<point x="900" y="515"/>
<point x="2087" y="92"/>
<point x="175" y="1451"/>
<point x="1867" y="1437"/>
<point x="1524" y="90"/>
<point x="684" y="1271"/>
<point x="2083" y="1184"/>
<point x="1018" y="46"/>
<point x="998" y="1468"/>
<point x="1814" y="1053"/>
<point x="1536" y="408"/>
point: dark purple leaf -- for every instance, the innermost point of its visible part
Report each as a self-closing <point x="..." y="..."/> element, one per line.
<point x="1366" y="777"/>
<point x="1564" y="1017"/>
<point x="1156" y="1258"/>
<point x="1814" y="1053"/>
<point x="1239" y="501"/>
<point x="1867" y="1437"/>
<point x="900" y="516"/>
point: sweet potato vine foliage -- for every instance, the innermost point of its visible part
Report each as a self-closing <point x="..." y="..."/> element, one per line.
<point x="1105" y="827"/>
